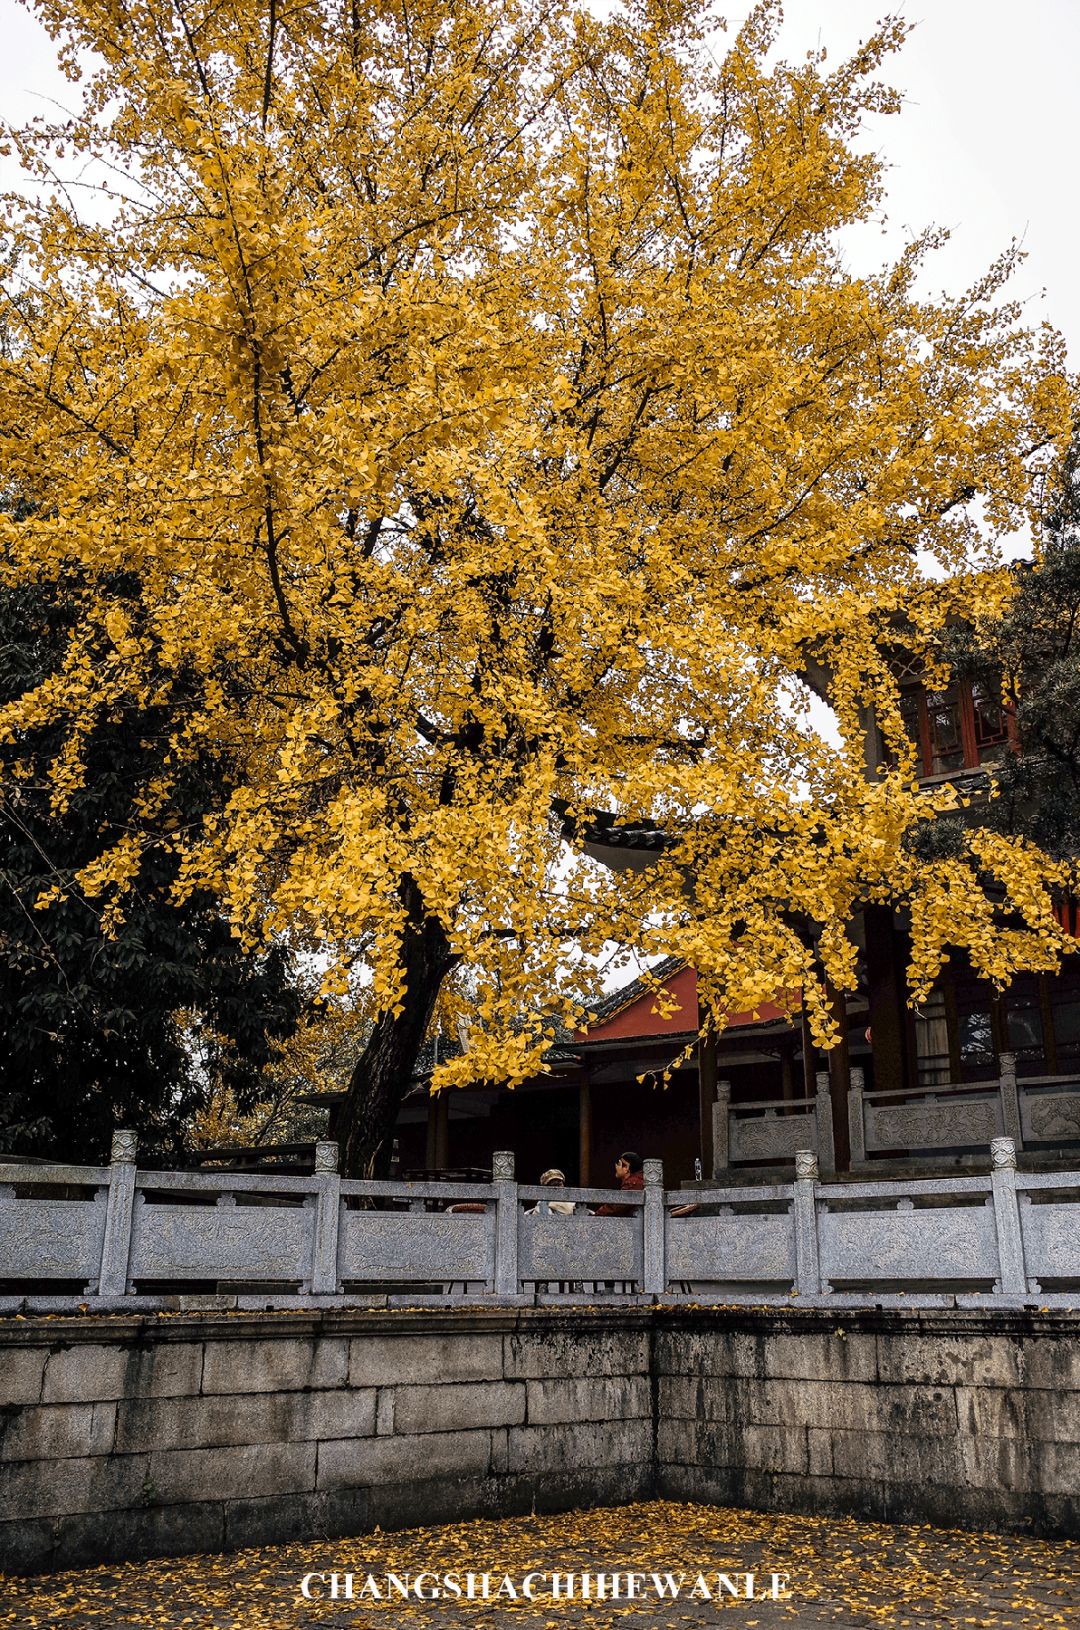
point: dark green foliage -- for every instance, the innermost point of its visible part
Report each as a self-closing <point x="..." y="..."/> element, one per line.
<point x="940" y="839"/>
<point x="1036" y="648"/>
<point x="96" y="1031"/>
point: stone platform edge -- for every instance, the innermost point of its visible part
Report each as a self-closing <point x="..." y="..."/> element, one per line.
<point x="131" y="1435"/>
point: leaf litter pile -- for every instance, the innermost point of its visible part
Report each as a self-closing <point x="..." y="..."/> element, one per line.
<point x="843" y="1573"/>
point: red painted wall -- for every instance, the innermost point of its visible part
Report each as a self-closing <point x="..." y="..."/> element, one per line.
<point x="640" y="1018"/>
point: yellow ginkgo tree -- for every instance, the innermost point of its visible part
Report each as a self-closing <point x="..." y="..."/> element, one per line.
<point x="465" y="414"/>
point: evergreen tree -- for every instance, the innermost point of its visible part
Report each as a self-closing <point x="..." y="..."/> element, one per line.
<point x="123" y="1019"/>
<point x="1033" y="651"/>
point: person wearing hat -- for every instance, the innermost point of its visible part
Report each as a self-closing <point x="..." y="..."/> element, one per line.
<point x="553" y="1178"/>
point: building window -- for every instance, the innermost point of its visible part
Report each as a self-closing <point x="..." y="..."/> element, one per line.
<point x="945" y="730"/>
<point x="1024" y="1031"/>
<point x="958" y="728"/>
<point x="932" y="1041"/>
<point x="975" y="1036"/>
<point x="1066" y="1010"/>
<point x="990" y="722"/>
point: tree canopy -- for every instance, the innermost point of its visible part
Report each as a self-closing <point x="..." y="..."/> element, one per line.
<point x="481" y="400"/>
<point x="1032" y="653"/>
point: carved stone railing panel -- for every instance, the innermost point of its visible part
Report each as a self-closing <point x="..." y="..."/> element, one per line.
<point x="751" y="1248"/>
<point x="770" y="1136"/>
<point x="969" y="1122"/>
<point x="580" y="1248"/>
<point x="52" y="1239"/>
<point x="954" y="1242"/>
<point x="221" y="1242"/>
<point x="1051" y="1240"/>
<point x="1048" y="1116"/>
<point x="403" y="1247"/>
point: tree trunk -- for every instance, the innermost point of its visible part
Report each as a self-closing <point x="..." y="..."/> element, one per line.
<point x="386" y="1069"/>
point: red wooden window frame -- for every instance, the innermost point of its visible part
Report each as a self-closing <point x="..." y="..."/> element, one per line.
<point x="972" y="741"/>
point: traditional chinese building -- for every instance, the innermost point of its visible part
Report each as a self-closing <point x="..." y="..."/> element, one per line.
<point x="605" y="1090"/>
<point x="908" y="1086"/>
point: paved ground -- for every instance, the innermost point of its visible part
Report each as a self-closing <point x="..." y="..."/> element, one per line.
<point x="843" y="1573"/>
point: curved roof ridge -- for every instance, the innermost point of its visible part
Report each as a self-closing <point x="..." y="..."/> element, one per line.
<point x="645" y="984"/>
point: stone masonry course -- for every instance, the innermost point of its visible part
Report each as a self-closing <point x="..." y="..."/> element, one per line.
<point x="140" y="1435"/>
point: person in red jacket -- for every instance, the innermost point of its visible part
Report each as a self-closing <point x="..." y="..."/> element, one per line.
<point x="630" y="1175"/>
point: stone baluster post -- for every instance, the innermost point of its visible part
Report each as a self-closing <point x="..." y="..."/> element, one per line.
<point x="116" y="1245"/>
<point x="721" y="1130"/>
<point x="1010" y="1100"/>
<point x="856" y="1124"/>
<point x="506" y="1223"/>
<point x="807" y="1254"/>
<point x="1010" y="1238"/>
<point x="823" y="1126"/>
<point x="324" y="1253"/>
<point x="654" y="1275"/>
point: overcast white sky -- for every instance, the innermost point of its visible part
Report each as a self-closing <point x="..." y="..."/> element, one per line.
<point x="985" y="145"/>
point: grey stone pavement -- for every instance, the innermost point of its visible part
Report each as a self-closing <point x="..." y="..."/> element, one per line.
<point x="843" y="1573"/>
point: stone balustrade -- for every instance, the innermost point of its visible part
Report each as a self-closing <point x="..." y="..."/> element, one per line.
<point x="1040" y="1114"/>
<point x="952" y="1121"/>
<point x="769" y="1130"/>
<point x="121" y="1237"/>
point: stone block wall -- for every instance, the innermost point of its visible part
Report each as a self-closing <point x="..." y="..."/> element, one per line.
<point x="125" y="1437"/>
<point x="132" y="1436"/>
<point x="959" y="1417"/>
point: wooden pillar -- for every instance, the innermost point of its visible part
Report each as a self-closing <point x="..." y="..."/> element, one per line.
<point x="787" y="1072"/>
<point x="999" y="1026"/>
<point x="437" y="1152"/>
<point x="1046" y="1009"/>
<point x="584" y="1133"/>
<point x="888" y="1007"/>
<point x="706" y="1074"/>
<point x="809" y="1059"/>
<point x="429" y="1141"/>
<point x="839" y="1082"/>
<point x="952" y="1021"/>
